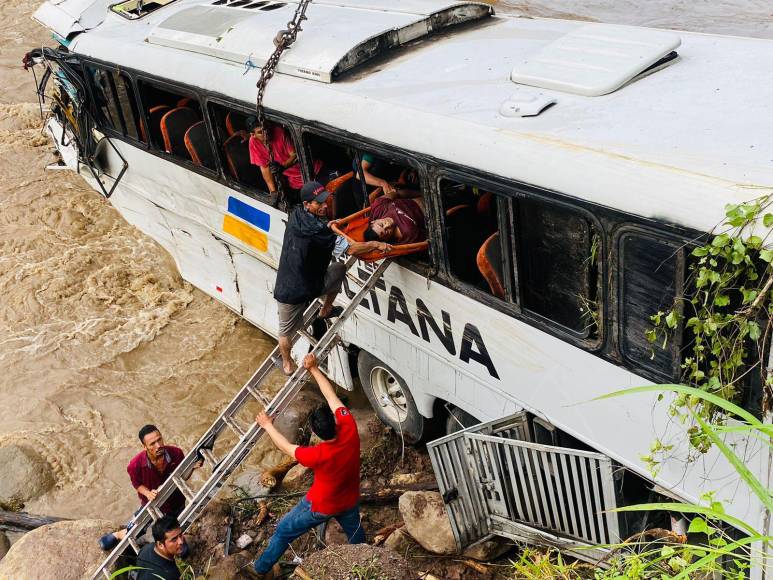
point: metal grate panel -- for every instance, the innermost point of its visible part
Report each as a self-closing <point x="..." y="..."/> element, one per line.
<point x="493" y="471"/>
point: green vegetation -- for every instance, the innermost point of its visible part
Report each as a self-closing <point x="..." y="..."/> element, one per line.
<point x="725" y="315"/>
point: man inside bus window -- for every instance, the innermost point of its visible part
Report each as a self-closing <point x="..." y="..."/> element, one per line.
<point x="397" y="217"/>
<point x="305" y="271"/>
<point x="372" y="168"/>
<point x="283" y="150"/>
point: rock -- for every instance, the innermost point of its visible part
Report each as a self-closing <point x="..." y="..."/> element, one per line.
<point x="65" y="550"/>
<point x="296" y="476"/>
<point x="5" y="545"/>
<point x="25" y="474"/>
<point x="249" y="483"/>
<point x="400" y="541"/>
<point x="426" y="520"/>
<point x="488" y="550"/>
<point x="235" y="566"/>
<point x="243" y="541"/>
<point x="293" y="420"/>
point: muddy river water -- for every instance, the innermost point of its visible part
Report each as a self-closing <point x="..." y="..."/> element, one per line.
<point x="98" y="332"/>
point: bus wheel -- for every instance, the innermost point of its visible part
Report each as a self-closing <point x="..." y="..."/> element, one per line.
<point x="390" y="398"/>
<point x="458" y="420"/>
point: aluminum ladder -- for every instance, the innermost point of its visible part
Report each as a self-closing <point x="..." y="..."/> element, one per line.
<point x="222" y="467"/>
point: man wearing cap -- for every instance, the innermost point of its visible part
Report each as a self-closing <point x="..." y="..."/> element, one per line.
<point x="305" y="271"/>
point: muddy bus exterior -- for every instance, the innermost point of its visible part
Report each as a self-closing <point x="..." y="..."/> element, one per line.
<point x="561" y="206"/>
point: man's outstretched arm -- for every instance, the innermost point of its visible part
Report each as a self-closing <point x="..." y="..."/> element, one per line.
<point x="325" y="386"/>
<point x="279" y="440"/>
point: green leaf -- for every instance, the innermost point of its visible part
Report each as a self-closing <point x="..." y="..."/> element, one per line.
<point x="754" y="330"/>
<point x="754" y="484"/>
<point x="709" y="397"/>
<point x="766" y="256"/>
<point x="700" y="251"/>
<point x="686" y="508"/>
<point x="721" y="300"/>
<point x="720" y="241"/>
<point x="672" y="319"/>
<point x="698" y="526"/>
<point x="767" y="220"/>
<point x="714" y="554"/>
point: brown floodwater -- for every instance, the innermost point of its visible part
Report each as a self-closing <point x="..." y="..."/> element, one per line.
<point x="99" y="334"/>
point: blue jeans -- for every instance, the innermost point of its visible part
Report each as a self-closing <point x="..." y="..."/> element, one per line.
<point x="300" y="520"/>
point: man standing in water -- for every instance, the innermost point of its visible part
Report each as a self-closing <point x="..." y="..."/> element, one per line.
<point x="148" y="470"/>
<point x="335" y="462"/>
<point x="305" y="272"/>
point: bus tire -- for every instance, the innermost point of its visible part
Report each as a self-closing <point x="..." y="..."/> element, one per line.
<point x="390" y="397"/>
<point x="458" y="419"/>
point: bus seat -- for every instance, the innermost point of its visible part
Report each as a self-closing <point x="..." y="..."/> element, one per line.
<point x="464" y="237"/>
<point x="487" y="211"/>
<point x="174" y="124"/>
<point x="154" y="120"/>
<point x="345" y="200"/>
<point x="489" y="261"/>
<point x="185" y="102"/>
<point x="237" y="155"/>
<point x="234" y="123"/>
<point x="198" y="145"/>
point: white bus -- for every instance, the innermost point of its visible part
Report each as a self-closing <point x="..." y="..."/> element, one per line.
<point x="566" y="168"/>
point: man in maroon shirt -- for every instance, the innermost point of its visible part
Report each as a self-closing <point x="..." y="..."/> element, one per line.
<point x="335" y="462"/>
<point x="147" y="470"/>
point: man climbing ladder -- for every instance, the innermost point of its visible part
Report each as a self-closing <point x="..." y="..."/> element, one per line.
<point x="305" y="271"/>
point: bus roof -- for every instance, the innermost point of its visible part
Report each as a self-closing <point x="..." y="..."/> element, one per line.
<point x="674" y="145"/>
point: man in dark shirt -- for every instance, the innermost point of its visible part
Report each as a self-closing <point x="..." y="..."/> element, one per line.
<point x="335" y="462"/>
<point x="147" y="470"/>
<point x="305" y="271"/>
<point x="156" y="560"/>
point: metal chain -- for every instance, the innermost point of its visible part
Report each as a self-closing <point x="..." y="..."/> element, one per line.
<point x="283" y="40"/>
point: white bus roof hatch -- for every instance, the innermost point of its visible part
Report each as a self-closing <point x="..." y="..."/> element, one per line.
<point x="596" y="59"/>
<point x="336" y="37"/>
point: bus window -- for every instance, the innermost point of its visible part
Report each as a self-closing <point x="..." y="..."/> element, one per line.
<point x="473" y="242"/>
<point x="649" y="277"/>
<point x="115" y="103"/>
<point x="558" y="250"/>
<point x="334" y="165"/>
<point x="176" y="125"/>
<point x="245" y="157"/>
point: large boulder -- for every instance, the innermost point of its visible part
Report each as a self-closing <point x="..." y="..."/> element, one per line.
<point x="65" y="550"/>
<point x="5" y="545"/>
<point x="426" y="521"/>
<point x="25" y="474"/>
<point x="488" y="549"/>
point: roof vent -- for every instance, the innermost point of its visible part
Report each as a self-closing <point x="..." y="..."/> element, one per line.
<point x="339" y="36"/>
<point x="597" y="59"/>
<point x="525" y="103"/>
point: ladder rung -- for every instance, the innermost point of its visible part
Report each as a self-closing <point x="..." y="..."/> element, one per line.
<point x="209" y="457"/>
<point x="134" y="545"/>
<point x="308" y="337"/>
<point x="258" y="395"/>
<point x="234" y="425"/>
<point x="155" y="513"/>
<point x="183" y="487"/>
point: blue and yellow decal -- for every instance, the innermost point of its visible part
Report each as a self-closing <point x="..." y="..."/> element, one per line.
<point x="247" y="223"/>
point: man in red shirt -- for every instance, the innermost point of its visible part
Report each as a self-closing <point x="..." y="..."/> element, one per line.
<point x="147" y="470"/>
<point x="283" y="151"/>
<point x="335" y="462"/>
